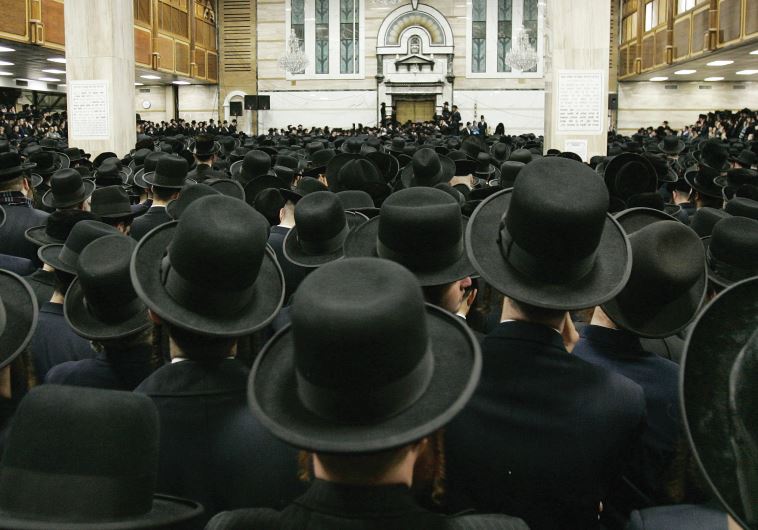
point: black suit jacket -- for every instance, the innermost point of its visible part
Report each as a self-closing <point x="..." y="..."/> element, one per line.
<point x="18" y="219"/>
<point x="293" y="274"/>
<point x="328" y="505"/>
<point x="54" y="342"/>
<point x="42" y="283"/>
<point x="203" y="172"/>
<point x="122" y="370"/>
<point x="679" y="517"/>
<point x="155" y="216"/>
<point x="544" y="434"/>
<point x="212" y="448"/>
<point x="20" y="266"/>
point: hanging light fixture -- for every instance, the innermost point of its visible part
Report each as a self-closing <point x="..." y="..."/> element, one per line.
<point x="523" y="56"/>
<point x="295" y="60"/>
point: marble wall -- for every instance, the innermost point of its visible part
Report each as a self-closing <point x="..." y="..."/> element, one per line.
<point x="644" y="104"/>
<point x="198" y="102"/>
<point x="520" y="111"/>
<point x="319" y="108"/>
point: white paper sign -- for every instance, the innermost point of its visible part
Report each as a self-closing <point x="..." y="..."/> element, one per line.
<point x="88" y="107"/>
<point x="577" y="146"/>
<point x="581" y="105"/>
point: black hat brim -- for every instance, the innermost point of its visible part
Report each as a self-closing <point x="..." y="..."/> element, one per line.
<point x="295" y="254"/>
<point x="713" y="276"/>
<point x="167" y="512"/>
<point x="715" y="190"/>
<point x="272" y="394"/>
<point x="679" y="148"/>
<point x="714" y="342"/>
<point x="38" y="236"/>
<point x="21" y="313"/>
<point x="267" y="298"/>
<point x="657" y="321"/>
<point x="447" y="172"/>
<point x="49" y="254"/>
<point x="51" y="201"/>
<point x="361" y="242"/>
<point x="86" y="325"/>
<point x="610" y="273"/>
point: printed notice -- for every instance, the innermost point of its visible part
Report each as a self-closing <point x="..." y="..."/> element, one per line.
<point x="88" y="109"/>
<point x="577" y="146"/>
<point x="581" y="105"/>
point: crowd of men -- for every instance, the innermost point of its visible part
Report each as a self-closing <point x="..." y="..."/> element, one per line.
<point x="390" y="328"/>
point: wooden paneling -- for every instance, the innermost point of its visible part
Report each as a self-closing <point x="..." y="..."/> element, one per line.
<point x="633" y="54"/>
<point x="623" y="58"/>
<point x="52" y="19"/>
<point x="730" y="12"/>
<point x="212" y="73"/>
<point x="182" y="64"/>
<point x="165" y="47"/>
<point x="173" y="17"/>
<point x="660" y="47"/>
<point x="699" y="31"/>
<point x="142" y="14"/>
<point x="14" y="24"/>
<point x="751" y="18"/>
<point x="682" y="37"/>
<point x="142" y="46"/>
<point x="648" y="52"/>
<point x="200" y="63"/>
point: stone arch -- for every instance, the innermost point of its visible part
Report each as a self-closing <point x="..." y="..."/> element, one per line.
<point x="405" y="20"/>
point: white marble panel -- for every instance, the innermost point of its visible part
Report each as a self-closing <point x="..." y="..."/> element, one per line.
<point x="198" y="102"/>
<point x="520" y="111"/>
<point x="314" y="108"/>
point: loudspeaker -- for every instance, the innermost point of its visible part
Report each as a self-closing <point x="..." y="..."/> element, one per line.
<point x="251" y="102"/>
<point x="235" y="108"/>
<point x="264" y="102"/>
<point x="613" y="102"/>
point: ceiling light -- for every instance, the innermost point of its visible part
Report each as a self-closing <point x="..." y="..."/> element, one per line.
<point x="181" y="82"/>
<point x="6" y="49"/>
<point x="6" y="73"/>
<point x="754" y="52"/>
<point x="5" y="63"/>
<point x="139" y="84"/>
<point x="59" y="60"/>
<point x="50" y="79"/>
<point x="659" y="78"/>
<point x="150" y="76"/>
<point x="685" y="72"/>
<point x="747" y="72"/>
<point x="714" y="78"/>
<point x="719" y="63"/>
<point x="53" y="71"/>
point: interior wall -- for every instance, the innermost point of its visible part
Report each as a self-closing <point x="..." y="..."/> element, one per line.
<point x="644" y="104"/>
<point x="156" y="96"/>
<point x="520" y="111"/>
<point x="198" y="102"/>
<point x="334" y="108"/>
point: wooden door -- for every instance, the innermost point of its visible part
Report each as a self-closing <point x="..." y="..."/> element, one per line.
<point x="414" y="110"/>
<point x="405" y="110"/>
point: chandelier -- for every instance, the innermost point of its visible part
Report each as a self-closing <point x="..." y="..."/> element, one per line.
<point x="523" y="56"/>
<point x="295" y="60"/>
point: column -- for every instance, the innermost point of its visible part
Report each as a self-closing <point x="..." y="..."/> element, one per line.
<point x="100" y="75"/>
<point x="576" y="76"/>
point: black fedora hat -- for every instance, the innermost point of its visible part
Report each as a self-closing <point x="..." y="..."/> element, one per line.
<point x="264" y="182"/>
<point x="704" y="219"/>
<point x="464" y="167"/>
<point x="65" y="257"/>
<point x="111" y="173"/>
<point x="359" y="174"/>
<point x="334" y="166"/>
<point x="427" y="168"/>
<point x="713" y="155"/>
<point x="12" y="166"/>
<point x="746" y="158"/>
<point x="712" y="391"/>
<point x="484" y="167"/>
<point x="420" y="228"/>
<point x="18" y="316"/>
<point x="57" y="227"/>
<point x="703" y="181"/>
<point x="308" y="185"/>
<point x="629" y="174"/>
<point x="387" y="370"/>
<point x="521" y="155"/>
<point x="170" y="172"/>
<point x="111" y="202"/>
<point x="228" y="187"/>
<point x="509" y="171"/>
<point x="256" y="163"/>
<point x="500" y="152"/>
<point x="671" y="145"/>
<point x="138" y="159"/>
<point x="218" y="277"/>
<point x="387" y="164"/>
<point x="355" y="200"/>
<point x="737" y="177"/>
<point x="269" y="203"/>
<point x="205" y="146"/>
<point x="190" y="193"/>
<point x="101" y="303"/>
<point x="663" y="170"/>
<point x="47" y="162"/>
<point x="549" y="242"/>
<point x="668" y="282"/>
<point x="151" y="161"/>
<point x="321" y="226"/>
<point x="732" y="250"/>
<point x="67" y="188"/>
<point x="742" y="207"/>
<point x="83" y="458"/>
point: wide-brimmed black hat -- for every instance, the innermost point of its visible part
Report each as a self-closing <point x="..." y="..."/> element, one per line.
<point x="737" y="177"/>
<point x="111" y="202"/>
<point x="83" y="458"/>
<point x="101" y="303"/>
<point x="712" y="390"/>
<point x="47" y="162"/>
<point x="111" y="173"/>
<point x="630" y="174"/>
<point x="746" y="158"/>
<point x="508" y="172"/>
<point x="713" y="155"/>
<point x="228" y="187"/>
<point x="264" y="182"/>
<point x="151" y="161"/>
<point x="388" y="165"/>
<point x="500" y="152"/>
<point x="18" y="316"/>
<point x="138" y="159"/>
<point x="65" y="257"/>
<point x="211" y="272"/>
<point x="269" y="203"/>
<point x="484" y="167"/>
<point x="704" y="219"/>
<point x="396" y="146"/>
<point x="742" y="207"/>
<point x="190" y="193"/>
<point x="321" y="227"/>
<point x="57" y="227"/>
<point x="256" y="163"/>
<point x="671" y="145"/>
<point x="663" y="170"/>
<point x="668" y="282"/>
<point x="170" y="172"/>
<point x="548" y="241"/>
<point x="387" y="370"/>
<point x="356" y="200"/>
<point x="67" y="188"/>
<point x="732" y="250"/>
<point x="420" y="228"/>
<point x="205" y="146"/>
<point x="703" y="181"/>
<point x="521" y="155"/>
<point x="12" y="166"/>
<point x="358" y="174"/>
<point x="463" y="168"/>
<point x="427" y="168"/>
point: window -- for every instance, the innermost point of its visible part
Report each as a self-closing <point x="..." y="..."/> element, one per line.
<point x="686" y="5"/>
<point x="329" y="33"/>
<point x="651" y="15"/>
<point x="629" y="28"/>
<point x="494" y="30"/>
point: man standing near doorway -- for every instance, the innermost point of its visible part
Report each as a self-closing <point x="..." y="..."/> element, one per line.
<point x="455" y="120"/>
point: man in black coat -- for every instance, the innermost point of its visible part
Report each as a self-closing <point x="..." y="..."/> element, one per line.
<point x="545" y="433"/>
<point x="206" y="153"/>
<point x="367" y="409"/>
<point x="165" y="183"/>
<point x="212" y="449"/>
<point x="15" y="198"/>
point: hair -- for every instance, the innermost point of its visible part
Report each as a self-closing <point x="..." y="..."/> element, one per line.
<point x="15" y="184"/>
<point x="164" y="194"/>
<point x="433" y="293"/>
<point x="115" y="221"/>
<point x="199" y="347"/>
<point x="124" y="343"/>
<point x="63" y="281"/>
<point x="707" y="200"/>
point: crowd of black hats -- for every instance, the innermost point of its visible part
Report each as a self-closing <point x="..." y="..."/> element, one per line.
<point x="380" y="329"/>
